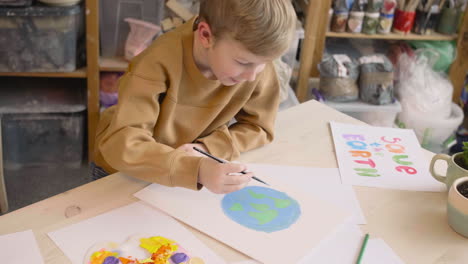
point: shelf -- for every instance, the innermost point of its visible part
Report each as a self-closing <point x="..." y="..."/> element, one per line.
<point x="80" y="73"/>
<point x="411" y="36"/>
<point x="112" y="64"/>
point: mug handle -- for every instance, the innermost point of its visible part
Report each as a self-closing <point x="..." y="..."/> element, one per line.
<point x="433" y="161"/>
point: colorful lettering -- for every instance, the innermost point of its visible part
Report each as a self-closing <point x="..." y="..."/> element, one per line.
<point x="367" y="172"/>
<point x="395" y="148"/>
<point x="367" y="162"/>
<point x="354" y="137"/>
<point x="360" y="153"/>
<point x="357" y="145"/>
<point x="395" y="140"/>
<point x="406" y="169"/>
<point x="398" y="159"/>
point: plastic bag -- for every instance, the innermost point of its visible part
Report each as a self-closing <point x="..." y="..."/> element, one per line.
<point x="376" y="80"/>
<point x="426" y="98"/>
<point x="420" y="89"/>
<point x="445" y="49"/>
<point x="338" y="75"/>
<point x="432" y="133"/>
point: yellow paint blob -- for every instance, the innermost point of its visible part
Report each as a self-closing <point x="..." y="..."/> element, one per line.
<point x="99" y="256"/>
<point x="152" y="244"/>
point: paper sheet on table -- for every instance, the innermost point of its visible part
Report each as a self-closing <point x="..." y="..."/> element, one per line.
<point x="344" y="247"/>
<point x="20" y="248"/>
<point x="382" y="157"/>
<point x="377" y="251"/>
<point x="121" y="223"/>
<point x="203" y="211"/>
<point x="325" y="183"/>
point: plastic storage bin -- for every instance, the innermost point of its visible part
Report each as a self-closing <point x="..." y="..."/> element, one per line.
<point x="39" y="38"/>
<point x="15" y="2"/>
<point x="42" y="126"/>
<point x="376" y="115"/>
<point x="432" y="132"/>
<point x="114" y="29"/>
<point x="42" y="139"/>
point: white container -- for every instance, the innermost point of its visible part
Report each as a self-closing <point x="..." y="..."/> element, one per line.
<point x="432" y="131"/>
<point x="140" y="36"/>
<point x="376" y="115"/>
<point x="355" y="21"/>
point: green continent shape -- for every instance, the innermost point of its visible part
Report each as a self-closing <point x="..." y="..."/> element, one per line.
<point x="260" y="207"/>
<point x="281" y="203"/>
<point x="236" y="207"/>
<point x="256" y="195"/>
<point x="264" y="217"/>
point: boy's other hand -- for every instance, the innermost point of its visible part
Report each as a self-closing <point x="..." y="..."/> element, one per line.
<point x="223" y="178"/>
<point x="189" y="149"/>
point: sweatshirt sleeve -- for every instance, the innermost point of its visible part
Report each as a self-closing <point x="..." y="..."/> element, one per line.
<point x="255" y="122"/>
<point x="128" y="144"/>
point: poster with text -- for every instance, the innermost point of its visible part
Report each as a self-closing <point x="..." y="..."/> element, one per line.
<point x="382" y="157"/>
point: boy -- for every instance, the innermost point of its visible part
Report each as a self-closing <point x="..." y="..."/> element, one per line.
<point x="184" y="89"/>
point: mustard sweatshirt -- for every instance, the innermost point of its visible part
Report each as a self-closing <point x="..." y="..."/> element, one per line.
<point x="165" y="102"/>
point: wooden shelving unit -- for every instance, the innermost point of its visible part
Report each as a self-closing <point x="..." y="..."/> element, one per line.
<point x="79" y="73"/>
<point x="434" y="36"/>
<point x="112" y="64"/>
<point x="92" y="58"/>
<point x="316" y="16"/>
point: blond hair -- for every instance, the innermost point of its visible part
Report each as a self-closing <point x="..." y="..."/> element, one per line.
<point x="264" y="27"/>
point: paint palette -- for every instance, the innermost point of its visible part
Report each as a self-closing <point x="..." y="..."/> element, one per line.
<point x="140" y="249"/>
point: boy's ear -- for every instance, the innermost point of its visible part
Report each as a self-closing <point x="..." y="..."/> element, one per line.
<point x="205" y="35"/>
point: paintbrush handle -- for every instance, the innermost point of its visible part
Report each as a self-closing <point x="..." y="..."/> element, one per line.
<point x="441" y="4"/>
<point x="222" y="161"/>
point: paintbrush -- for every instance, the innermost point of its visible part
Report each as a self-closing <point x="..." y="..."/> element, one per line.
<point x="401" y="4"/>
<point x="428" y="6"/>
<point x="411" y="6"/>
<point x="222" y="161"/>
<point x="441" y="4"/>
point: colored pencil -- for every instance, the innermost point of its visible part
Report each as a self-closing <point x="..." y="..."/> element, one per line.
<point x="363" y="248"/>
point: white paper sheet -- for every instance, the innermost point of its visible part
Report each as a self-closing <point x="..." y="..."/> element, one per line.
<point x="377" y="251"/>
<point x="20" y="248"/>
<point x="121" y="223"/>
<point x="325" y="183"/>
<point x="344" y="248"/>
<point x="203" y="211"/>
<point x="382" y="157"/>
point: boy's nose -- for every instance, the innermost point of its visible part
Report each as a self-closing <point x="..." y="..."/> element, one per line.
<point x="250" y="75"/>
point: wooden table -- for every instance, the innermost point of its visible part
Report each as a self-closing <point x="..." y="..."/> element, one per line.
<point x="414" y="224"/>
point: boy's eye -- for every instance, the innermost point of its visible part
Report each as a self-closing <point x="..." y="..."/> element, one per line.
<point x="243" y="63"/>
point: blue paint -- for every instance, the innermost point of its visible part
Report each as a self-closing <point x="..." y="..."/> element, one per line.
<point x="261" y="208"/>
<point x="111" y="260"/>
<point x="179" y="258"/>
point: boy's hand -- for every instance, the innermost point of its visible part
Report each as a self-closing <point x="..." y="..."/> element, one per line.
<point x="189" y="149"/>
<point x="222" y="178"/>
